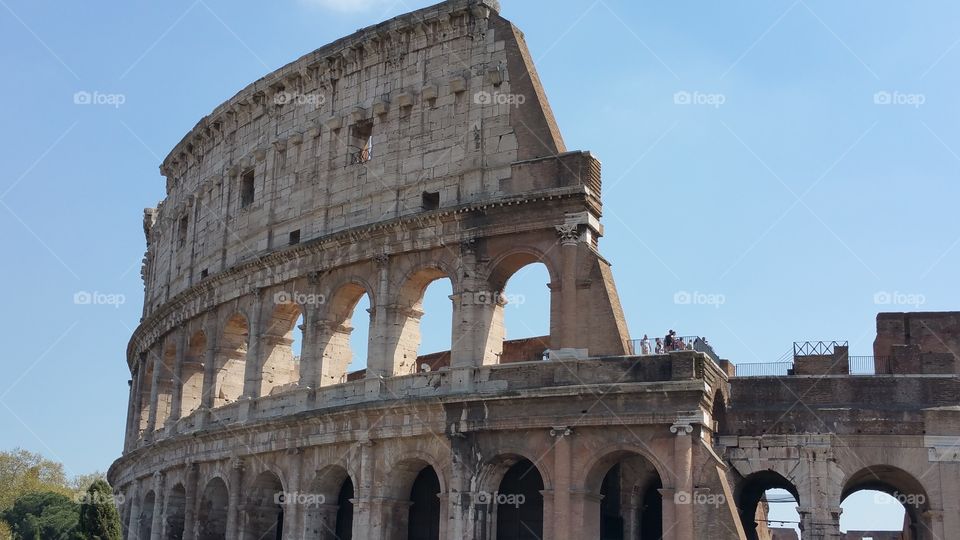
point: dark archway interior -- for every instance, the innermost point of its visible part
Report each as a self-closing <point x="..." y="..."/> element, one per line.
<point x="212" y="517"/>
<point x="611" y="522"/>
<point x="651" y="512"/>
<point x="520" y="503"/>
<point x="344" y="527"/>
<point x="424" y="521"/>
<point x="630" y="500"/>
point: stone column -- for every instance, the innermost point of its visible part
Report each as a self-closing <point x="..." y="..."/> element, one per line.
<point x="292" y="513"/>
<point x="310" y="354"/>
<point x="154" y="393"/>
<point x="362" y="511"/>
<point x="683" y="484"/>
<point x="133" y="408"/>
<point x="569" y="246"/>
<point x="233" y="507"/>
<point x="254" y="362"/>
<point x="379" y="361"/>
<point x="157" y="526"/>
<point x="133" y="520"/>
<point x="561" y="491"/>
<point x="459" y="497"/>
<point x="668" y="496"/>
<point x="176" y="397"/>
<point x="190" y="501"/>
<point x="208" y="394"/>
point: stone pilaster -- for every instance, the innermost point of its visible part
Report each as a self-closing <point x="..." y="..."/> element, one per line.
<point x="233" y="507"/>
<point x="159" y="492"/>
<point x="293" y="513"/>
<point x="683" y="483"/>
<point x="562" y="482"/>
<point x="569" y="246"/>
<point x="190" y="501"/>
<point x="254" y="363"/>
<point x="176" y="398"/>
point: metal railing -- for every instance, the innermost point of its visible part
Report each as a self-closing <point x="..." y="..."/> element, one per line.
<point x="816" y="348"/>
<point x="868" y="365"/>
<point x="769" y="369"/>
<point x="681" y="343"/>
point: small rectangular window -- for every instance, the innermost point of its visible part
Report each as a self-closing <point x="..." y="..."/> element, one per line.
<point x="182" y="231"/>
<point x="247" y="192"/>
<point x="361" y="143"/>
<point x="295" y="237"/>
<point x="204" y="273"/>
<point x="431" y="200"/>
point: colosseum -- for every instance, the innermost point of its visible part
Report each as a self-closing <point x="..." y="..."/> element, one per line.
<point x="424" y="148"/>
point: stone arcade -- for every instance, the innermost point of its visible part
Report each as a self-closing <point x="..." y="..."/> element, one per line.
<point x="424" y="148"/>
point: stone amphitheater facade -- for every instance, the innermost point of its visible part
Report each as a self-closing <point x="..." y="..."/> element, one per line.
<point x="424" y="148"/>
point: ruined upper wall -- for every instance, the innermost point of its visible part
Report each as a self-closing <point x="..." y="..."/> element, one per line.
<point x="434" y="109"/>
<point x="931" y="332"/>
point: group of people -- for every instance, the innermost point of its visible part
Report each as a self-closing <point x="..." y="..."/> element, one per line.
<point x="669" y="343"/>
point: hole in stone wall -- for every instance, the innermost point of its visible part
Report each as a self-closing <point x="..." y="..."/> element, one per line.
<point x="359" y="335"/>
<point x="361" y="142"/>
<point x="182" y="231"/>
<point x="247" y="189"/>
<point x="295" y="237"/>
<point x="431" y="200"/>
<point x="873" y="511"/>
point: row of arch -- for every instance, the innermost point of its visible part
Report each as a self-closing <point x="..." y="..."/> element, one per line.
<point x="626" y="487"/>
<point x="897" y="484"/>
<point x="293" y="336"/>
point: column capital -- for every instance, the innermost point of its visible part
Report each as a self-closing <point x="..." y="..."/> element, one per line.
<point x="237" y="464"/>
<point x="561" y="431"/>
<point x="381" y="260"/>
<point x="569" y="234"/>
<point x="681" y="428"/>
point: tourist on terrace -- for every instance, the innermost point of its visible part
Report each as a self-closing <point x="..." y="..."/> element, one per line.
<point x="659" y="349"/>
<point x="645" y="345"/>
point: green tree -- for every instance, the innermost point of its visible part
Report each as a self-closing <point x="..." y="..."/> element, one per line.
<point x="43" y="516"/>
<point x="99" y="519"/>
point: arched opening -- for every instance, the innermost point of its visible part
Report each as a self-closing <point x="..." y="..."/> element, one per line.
<point x="146" y="382"/>
<point x="421" y="323"/>
<point x="145" y="525"/>
<point x="344" y="527"/>
<point x="191" y="373"/>
<point x="165" y="384"/>
<point x="423" y="521"/>
<point x="332" y="517"/>
<point x="629" y="506"/>
<point x="176" y="510"/>
<point x="885" y="499"/>
<point x="519" y="503"/>
<point x="280" y="369"/>
<point x="264" y="508"/>
<point x="212" y="512"/>
<point x="522" y="309"/>
<point x="343" y="336"/>
<point x="766" y="499"/>
<point x="231" y="361"/>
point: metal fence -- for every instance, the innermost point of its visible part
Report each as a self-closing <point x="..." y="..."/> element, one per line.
<point x="769" y="369"/>
<point x="868" y="365"/>
<point x="856" y="365"/>
<point x="816" y="348"/>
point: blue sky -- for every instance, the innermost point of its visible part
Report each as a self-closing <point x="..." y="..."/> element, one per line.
<point x="789" y="166"/>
